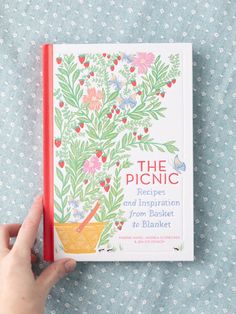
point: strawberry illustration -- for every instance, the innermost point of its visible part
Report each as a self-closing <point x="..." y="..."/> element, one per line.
<point x="104" y="54"/>
<point x="139" y="92"/>
<point x="112" y="68"/>
<point x="119" y="57"/>
<point x="85" y="181"/>
<point x="99" y="153"/>
<point x="112" y="110"/>
<point x="115" y="61"/>
<point x="117" y="111"/>
<point x="134" y="133"/>
<point x="86" y="64"/>
<point x="145" y="130"/>
<point x="124" y="120"/>
<point x="169" y="84"/>
<point x="132" y="69"/>
<point x="104" y="158"/>
<point x="58" y="142"/>
<point x="61" y="104"/>
<point x="117" y="163"/>
<point x="81" y="125"/>
<point x="114" y="106"/>
<point x="81" y="58"/>
<point x="77" y="129"/>
<point x="61" y="163"/>
<point x="102" y="183"/>
<point x="59" y="60"/>
<point x="92" y="73"/>
<point x="162" y="94"/>
<point x="107" y="188"/>
<point x="108" y="56"/>
<point x="174" y="81"/>
<point x="119" y="224"/>
<point x="133" y="83"/>
<point x="139" y="137"/>
<point x="81" y="82"/>
<point x="108" y="180"/>
<point x="109" y="115"/>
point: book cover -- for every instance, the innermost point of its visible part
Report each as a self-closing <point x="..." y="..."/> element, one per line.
<point x="118" y="154"/>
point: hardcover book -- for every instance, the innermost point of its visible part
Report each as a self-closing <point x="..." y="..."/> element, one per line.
<point x="118" y="154"/>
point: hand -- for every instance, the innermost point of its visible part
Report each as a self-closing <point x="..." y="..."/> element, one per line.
<point x="20" y="291"/>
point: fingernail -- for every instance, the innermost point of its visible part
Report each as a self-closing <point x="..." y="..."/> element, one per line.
<point x="70" y="266"/>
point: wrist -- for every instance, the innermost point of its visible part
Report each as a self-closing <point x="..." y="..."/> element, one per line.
<point x="20" y="306"/>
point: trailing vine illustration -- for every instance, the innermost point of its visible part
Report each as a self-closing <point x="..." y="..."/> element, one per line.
<point x="105" y="105"/>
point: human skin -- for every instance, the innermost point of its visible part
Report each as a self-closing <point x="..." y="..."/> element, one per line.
<point x="20" y="291"/>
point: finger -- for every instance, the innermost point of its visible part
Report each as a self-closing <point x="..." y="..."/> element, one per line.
<point x="34" y="257"/>
<point x="12" y="244"/>
<point x="28" y="231"/>
<point x="53" y="273"/>
<point x="6" y="232"/>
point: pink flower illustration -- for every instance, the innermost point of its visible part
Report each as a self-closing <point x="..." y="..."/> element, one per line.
<point x="143" y="61"/>
<point x="92" y="165"/>
<point x="93" y="98"/>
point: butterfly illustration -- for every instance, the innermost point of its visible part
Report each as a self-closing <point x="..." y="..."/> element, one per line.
<point x="127" y="58"/>
<point x="119" y="224"/>
<point x="76" y="212"/>
<point x="116" y="83"/>
<point x="179" y="166"/>
<point x="127" y="102"/>
<point x="74" y="203"/>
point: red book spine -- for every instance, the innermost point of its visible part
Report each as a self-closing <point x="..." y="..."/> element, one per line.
<point x="48" y="191"/>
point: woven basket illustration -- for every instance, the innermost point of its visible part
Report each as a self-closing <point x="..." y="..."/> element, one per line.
<point x="81" y="242"/>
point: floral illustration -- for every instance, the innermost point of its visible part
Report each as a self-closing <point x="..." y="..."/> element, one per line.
<point x="105" y="106"/>
<point x="143" y="61"/>
<point x="92" y="165"/>
<point x="93" y="98"/>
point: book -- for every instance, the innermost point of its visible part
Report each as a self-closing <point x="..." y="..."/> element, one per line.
<point x="118" y="152"/>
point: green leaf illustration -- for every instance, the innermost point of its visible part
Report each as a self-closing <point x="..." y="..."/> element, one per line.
<point x="101" y="132"/>
<point x="61" y="212"/>
<point x="113" y="96"/>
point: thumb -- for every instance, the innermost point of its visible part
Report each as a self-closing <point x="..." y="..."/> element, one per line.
<point x="53" y="273"/>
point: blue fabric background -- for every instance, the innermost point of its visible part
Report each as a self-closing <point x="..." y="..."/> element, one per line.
<point x="209" y="284"/>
